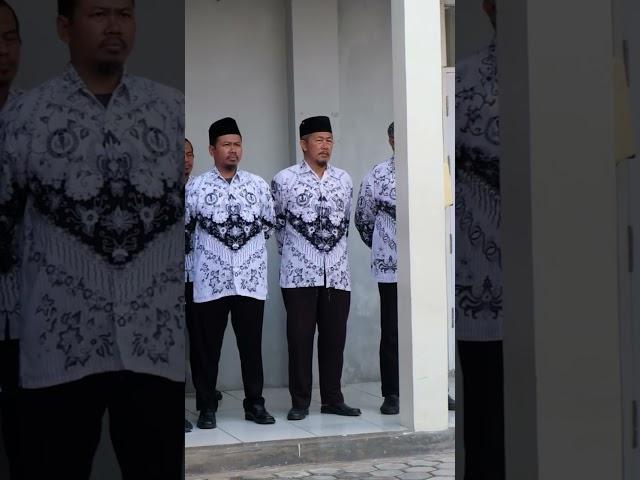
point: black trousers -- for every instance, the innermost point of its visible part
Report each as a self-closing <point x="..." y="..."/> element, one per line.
<point x="10" y="403"/>
<point x="327" y="308"/>
<point x="389" y="370"/>
<point x="61" y="426"/>
<point x="206" y="335"/>
<point x="483" y="393"/>
<point x="189" y="313"/>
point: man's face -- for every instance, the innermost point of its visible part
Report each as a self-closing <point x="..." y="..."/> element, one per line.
<point x="227" y="152"/>
<point x="9" y="47"/>
<point x="317" y="147"/>
<point x="188" y="159"/>
<point x="100" y="33"/>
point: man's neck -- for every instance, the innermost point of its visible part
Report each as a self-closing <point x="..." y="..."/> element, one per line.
<point x="317" y="169"/>
<point x="227" y="173"/>
<point x="100" y="82"/>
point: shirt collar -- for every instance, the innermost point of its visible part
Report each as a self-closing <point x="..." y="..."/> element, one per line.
<point x="306" y="169"/>
<point x="239" y="175"/>
<point x="75" y="83"/>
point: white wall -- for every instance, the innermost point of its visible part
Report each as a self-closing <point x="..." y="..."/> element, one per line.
<point x="236" y="65"/>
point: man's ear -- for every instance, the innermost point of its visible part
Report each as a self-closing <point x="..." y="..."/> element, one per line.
<point x="211" y="150"/>
<point x="303" y="145"/>
<point x="62" y="24"/>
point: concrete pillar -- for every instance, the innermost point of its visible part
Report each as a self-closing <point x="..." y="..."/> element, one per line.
<point x="422" y="300"/>
<point x="562" y="345"/>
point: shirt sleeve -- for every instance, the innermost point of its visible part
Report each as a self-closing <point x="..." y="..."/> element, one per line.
<point x="13" y="191"/>
<point x="190" y="220"/>
<point x="280" y="210"/>
<point x="268" y="212"/>
<point x="348" y="203"/>
<point x="365" y="216"/>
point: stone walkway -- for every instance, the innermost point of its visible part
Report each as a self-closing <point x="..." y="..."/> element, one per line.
<point x="438" y="467"/>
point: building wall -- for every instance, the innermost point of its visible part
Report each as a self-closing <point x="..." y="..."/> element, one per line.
<point x="236" y="65"/>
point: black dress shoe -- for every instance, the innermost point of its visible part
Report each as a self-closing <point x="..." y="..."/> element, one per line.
<point x="340" y="409"/>
<point x="187" y="426"/>
<point x="297" y="413"/>
<point x="391" y="405"/>
<point x="207" y="419"/>
<point x="218" y="395"/>
<point x="259" y="415"/>
<point x="452" y="403"/>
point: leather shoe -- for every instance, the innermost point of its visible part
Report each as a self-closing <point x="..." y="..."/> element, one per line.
<point x="207" y="419"/>
<point x="187" y="426"/>
<point x="452" y="403"/>
<point x="340" y="409"/>
<point x="297" y="413"/>
<point x="259" y="415"/>
<point x="391" y="405"/>
<point x="218" y="395"/>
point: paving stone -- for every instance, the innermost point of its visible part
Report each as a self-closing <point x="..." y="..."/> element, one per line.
<point x="322" y="477"/>
<point x="415" y="476"/>
<point x="323" y="471"/>
<point x="391" y="466"/>
<point x="386" y="473"/>
<point x="444" y="473"/>
<point x="360" y="468"/>
<point x="422" y="463"/>
<point x="295" y="474"/>
<point x="255" y="476"/>
<point x="419" y="469"/>
<point x="349" y="475"/>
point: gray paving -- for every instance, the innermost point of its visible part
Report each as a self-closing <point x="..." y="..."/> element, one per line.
<point x="435" y="466"/>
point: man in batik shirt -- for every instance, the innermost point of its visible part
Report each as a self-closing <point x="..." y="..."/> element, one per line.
<point x="478" y="274"/>
<point x="375" y="220"/>
<point x="313" y="205"/>
<point x="229" y="214"/>
<point x="10" y="43"/>
<point x="92" y="174"/>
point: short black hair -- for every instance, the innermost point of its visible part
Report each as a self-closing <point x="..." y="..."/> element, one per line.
<point x="6" y="5"/>
<point x="390" y="130"/>
<point x="67" y="7"/>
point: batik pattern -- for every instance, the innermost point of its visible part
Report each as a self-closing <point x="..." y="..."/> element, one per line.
<point x="477" y="207"/>
<point x="375" y="219"/>
<point x="98" y="193"/>
<point x="312" y="225"/>
<point x="228" y="225"/>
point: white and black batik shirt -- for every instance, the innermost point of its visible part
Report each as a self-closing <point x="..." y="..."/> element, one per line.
<point x="9" y="293"/>
<point x="312" y="226"/>
<point x="375" y="219"/>
<point x="478" y="211"/>
<point x="228" y="224"/>
<point x="99" y="193"/>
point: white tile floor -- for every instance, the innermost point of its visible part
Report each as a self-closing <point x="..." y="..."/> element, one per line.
<point x="233" y="428"/>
